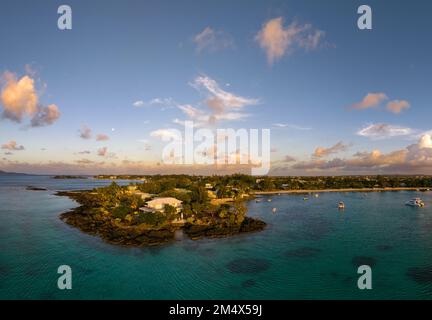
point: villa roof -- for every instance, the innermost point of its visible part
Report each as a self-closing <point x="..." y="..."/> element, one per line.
<point x="163" y="201"/>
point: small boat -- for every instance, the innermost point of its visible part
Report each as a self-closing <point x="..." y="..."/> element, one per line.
<point x="305" y="198"/>
<point x="316" y="195"/>
<point x="257" y="200"/>
<point x="269" y="200"/>
<point x="274" y="210"/>
<point x="416" y="202"/>
<point x="341" y="205"/>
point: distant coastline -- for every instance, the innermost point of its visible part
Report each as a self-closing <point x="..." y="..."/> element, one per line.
<point x="4" y="173"/>
<point x="341" y="190"/>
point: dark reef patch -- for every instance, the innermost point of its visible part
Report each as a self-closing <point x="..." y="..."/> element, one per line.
<point x="305" y="252"/>
<point x="384" y="247"/>
<point x="362" y="260"/>
<point x="422" y="275"/>
<point x="348" y="280"/>
<point x="316" y="229"/>
<point x="209" y="252"/>
<point x="248" y="266"/>
<point x="248" y="283"/>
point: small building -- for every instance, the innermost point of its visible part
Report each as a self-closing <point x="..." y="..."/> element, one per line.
<point x="211" y="194"/>
<point x="143" y="195"/>
<point x="208" y="186"/>
<point x="132" y="188"/>
<point x="160" y="203"/>
<point x="147" y="210"/>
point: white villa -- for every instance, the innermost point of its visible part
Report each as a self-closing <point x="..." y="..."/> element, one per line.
<point x="160" y="203"/>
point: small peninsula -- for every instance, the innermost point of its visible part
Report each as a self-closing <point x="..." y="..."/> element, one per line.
<point x="155" y="211"/>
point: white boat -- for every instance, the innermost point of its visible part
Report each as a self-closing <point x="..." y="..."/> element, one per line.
<point x="269" y="200"/>
<point x="415" y="202"/>
<point x="274" y="210"/>
<point x="341" y="205"/>
<point x="316" y="195"/>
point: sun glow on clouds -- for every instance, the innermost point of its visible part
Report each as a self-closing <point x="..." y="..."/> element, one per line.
<point x="277" y="40"/>
<point x="416" y="156"/>
<point x="12" y="146"/>
<point x="374" y="100"/>
<point x="323" y="152"/>
<point x="20" y="99"/>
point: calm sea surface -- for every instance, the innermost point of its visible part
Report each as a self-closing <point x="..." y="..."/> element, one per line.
<point x="309" y="250"/>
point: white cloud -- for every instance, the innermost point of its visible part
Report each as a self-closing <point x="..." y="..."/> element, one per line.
<point x="212" y="40"/>
<point x="396" y="106"/>
<point x="383" y="131"/>
<point x="85" y="132"/>
<point x="370" y="100"/>
<point x="226" y="99"/>
<point x="102" y="137"/>
<point x="323" y="152"/>
<point x="414" y="158"/>
<point x="222" y="105"/>
<point x="160" y="102"/>
<point x="277" y="40"/>
<point x="102" y="151"/>
<point x="165" y="134"/>
<point x="12" y="146"/>
<point x="290" y="126"/>
<point x="45" y="116"/>
<point x="20" y="98"/>
<point x="373" y="100"/>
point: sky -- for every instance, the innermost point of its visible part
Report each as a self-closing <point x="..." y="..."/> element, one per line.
<point x="100" y="97"/>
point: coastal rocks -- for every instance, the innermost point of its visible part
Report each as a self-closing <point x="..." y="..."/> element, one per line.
<point x="196" y="231"/>
<point x="113" y="233"/>
<point x="251" y="225"/>
<point x="31" y="188"/>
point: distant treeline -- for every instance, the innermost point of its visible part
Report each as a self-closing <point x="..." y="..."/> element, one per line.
<point x="225" y="186"/>
<point x="70" y="177"/>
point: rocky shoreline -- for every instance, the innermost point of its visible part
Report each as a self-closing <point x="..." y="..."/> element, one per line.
<point x="114" y="232"/>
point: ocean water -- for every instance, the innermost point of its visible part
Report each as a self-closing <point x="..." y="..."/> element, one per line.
<point x="310" y="250"/>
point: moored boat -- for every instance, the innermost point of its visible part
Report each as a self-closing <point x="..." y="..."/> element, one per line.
<point x="341" y="205"/>
<point x="415" y="202"/>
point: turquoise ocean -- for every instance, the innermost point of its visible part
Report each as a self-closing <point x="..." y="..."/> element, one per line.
<point x="310" y="250"/>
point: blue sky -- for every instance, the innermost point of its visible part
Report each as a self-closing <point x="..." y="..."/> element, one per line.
<point x="123" y="52"/>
